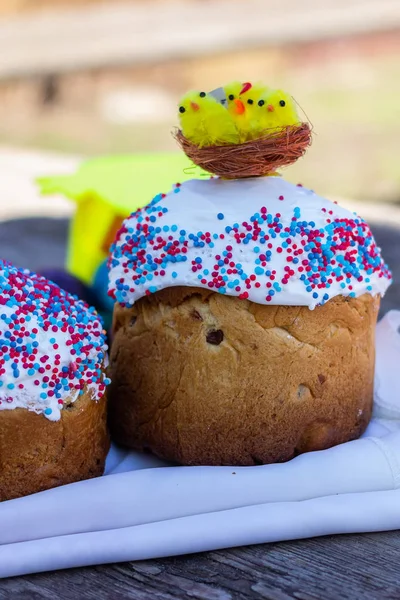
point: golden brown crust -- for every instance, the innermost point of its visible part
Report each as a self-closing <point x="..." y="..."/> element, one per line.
<point x="37" y="454"/>
<point x="201" y="378"/>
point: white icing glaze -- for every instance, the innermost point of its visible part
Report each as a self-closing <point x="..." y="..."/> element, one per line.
<point x="44" y="330"/>
<point x="141" y="261"/>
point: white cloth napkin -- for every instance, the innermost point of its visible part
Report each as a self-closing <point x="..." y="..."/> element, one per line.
<point x="142" y="508"/>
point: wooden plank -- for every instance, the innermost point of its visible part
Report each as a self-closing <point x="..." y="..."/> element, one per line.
<point x="347" y="568"/>
<point x="120" y="33"/>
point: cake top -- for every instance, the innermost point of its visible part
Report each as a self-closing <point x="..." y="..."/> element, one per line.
<point x="52" y="345"/>
<point x="261" y="239"/>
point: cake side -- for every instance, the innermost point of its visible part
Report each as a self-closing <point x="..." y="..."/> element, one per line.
<point x="200" y="378"/>
<point x="37" y="454"/>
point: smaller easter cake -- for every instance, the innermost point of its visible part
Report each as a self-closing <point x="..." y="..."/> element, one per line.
<point x="246" y="307"/>
<point x="52" y="386"/>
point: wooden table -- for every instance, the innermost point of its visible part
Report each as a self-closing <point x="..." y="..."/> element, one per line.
<point x="348" y="567"/>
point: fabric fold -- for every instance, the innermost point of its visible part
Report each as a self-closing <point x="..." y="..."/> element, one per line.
<point x="272" y="522"/>
<point x="387" y="385"/>
<point x="150" y="495"/>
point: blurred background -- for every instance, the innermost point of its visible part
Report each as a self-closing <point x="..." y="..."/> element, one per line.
<point x="83" y="78"/>
<point x="89" y="77"/>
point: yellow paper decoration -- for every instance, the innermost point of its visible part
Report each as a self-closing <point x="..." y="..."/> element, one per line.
<point x="107" y="190"/>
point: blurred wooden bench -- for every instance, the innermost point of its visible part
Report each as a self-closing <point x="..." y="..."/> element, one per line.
<point x="118" y="33"/>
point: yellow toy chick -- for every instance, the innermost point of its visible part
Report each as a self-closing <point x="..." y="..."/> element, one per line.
<point x="232" y="91"/>
<point x="241" y="104"/>
<point x="205" y="122"/>
<point x="245" y="91"/>
<point x="276" y="109"/>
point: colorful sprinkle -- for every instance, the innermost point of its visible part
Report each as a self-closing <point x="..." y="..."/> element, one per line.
<point x="262" y="257"/>
<point x="52" y="345"/>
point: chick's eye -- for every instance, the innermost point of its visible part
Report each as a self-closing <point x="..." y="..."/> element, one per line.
<point x="231" y="97"/>
<point x="182" y="109"/>
<point x="261" y="103"/>
<point x="202" y="94"/>
<point x="282" y="103"/>
<point x="250" y="101"/>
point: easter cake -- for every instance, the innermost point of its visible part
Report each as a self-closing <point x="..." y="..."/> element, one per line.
<point x="52" y="386"/>
<point x="244" y="323"/>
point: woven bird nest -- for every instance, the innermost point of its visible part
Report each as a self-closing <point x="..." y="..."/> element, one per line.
<point x="254" y="158"/>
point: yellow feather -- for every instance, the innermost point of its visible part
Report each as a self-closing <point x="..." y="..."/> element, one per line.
<point x="232" y="89"/>
<point x="242" y="107"/>
<point x="205" y="122"/>
<point x="276" y="111"/>
<point x="251" y="111"/>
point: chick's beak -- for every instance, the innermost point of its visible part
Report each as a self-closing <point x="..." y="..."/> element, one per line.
<point x="239" y="106"/>
<point x="270" y="108"/>
<point x="194" y="106"/>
